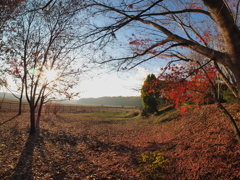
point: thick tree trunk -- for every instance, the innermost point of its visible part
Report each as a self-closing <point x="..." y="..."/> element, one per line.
<point x="39" y="110"/>
<point x="39" y="114"/>
<point x="20" y="106"/>
<point x="40" y="107"/>
<point x="32" y="120"/>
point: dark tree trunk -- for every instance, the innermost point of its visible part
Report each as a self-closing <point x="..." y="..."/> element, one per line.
<point x="39" y="113"/>
<point x="32" y="120"/>
<point x="20" y="99"/>
<point x="20" y="106"/>
<point x="39" y="110"/>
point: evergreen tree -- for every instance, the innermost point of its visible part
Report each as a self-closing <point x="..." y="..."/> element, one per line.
<point x="149" y="95"/>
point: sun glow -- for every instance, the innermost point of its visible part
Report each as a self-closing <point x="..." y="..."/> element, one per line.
<point x="50" y="75"/>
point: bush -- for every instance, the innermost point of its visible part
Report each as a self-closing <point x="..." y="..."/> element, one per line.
<point x="136" y="113"/>
<point x="153" y="165"/>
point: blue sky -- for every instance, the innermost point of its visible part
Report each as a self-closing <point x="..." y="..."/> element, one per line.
<point x="123" y="83"/>
<point x="101" y="82"/>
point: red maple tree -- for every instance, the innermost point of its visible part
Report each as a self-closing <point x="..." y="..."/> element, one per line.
<point x="183" y="86"/>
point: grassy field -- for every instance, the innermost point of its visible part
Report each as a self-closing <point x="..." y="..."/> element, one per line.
<point x="10" y="105"/>
<point x="104" y="146"/>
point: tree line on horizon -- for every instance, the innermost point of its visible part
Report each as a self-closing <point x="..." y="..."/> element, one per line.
<point x="113" y="101"/>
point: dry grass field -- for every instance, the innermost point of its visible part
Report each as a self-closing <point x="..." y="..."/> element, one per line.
<point x="107" y="145"/>
<point x="10" y="105"/>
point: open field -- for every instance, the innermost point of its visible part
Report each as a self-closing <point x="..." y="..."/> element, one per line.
<point x="106" y="145"/>
<point x="8" y="105"/>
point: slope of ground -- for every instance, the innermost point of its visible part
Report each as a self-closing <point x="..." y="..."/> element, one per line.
<point x="105" y="146"/>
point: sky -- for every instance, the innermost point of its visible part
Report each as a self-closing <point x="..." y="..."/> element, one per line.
<point x="126" y="83"/>
<point x="114" y="83"/>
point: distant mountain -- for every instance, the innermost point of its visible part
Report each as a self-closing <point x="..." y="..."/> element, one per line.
<point x="64" y="101"/>
<point x="7" y="95"/>
<point x="112" y="101"/>
<point x="10" y="96"/>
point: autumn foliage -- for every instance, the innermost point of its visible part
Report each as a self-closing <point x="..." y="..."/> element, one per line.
<point x="183" y="86"/>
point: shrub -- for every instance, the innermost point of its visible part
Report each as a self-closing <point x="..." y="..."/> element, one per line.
<point x="153" y="165"/>
<point x="135" y="113"/>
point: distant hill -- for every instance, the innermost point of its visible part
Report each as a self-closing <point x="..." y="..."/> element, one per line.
<point x="106" y="101"/>
<point x="7" y="95"/>
<point x="112" y="101"/>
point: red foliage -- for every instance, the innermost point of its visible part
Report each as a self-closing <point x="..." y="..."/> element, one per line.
<point x="139" y="42"/>
<point x="182" y="86"/>
<point x="207" y="35"/>
<point x="130" y="6"/>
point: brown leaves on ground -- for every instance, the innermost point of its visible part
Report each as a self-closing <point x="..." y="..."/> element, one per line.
<point x="97" y="146"/>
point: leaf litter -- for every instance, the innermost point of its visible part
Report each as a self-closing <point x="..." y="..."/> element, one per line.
<point x="89" y="146"/>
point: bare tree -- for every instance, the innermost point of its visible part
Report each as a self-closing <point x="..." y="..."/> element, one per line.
<point x="44" y="49"/>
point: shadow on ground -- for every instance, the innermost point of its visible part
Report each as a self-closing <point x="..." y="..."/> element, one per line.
<point x="9" y="119"/>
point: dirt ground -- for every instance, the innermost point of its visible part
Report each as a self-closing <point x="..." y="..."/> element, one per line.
<point x="106" y="146"/>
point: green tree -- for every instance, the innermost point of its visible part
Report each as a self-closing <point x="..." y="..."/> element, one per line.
<point x="148" y="94"/>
